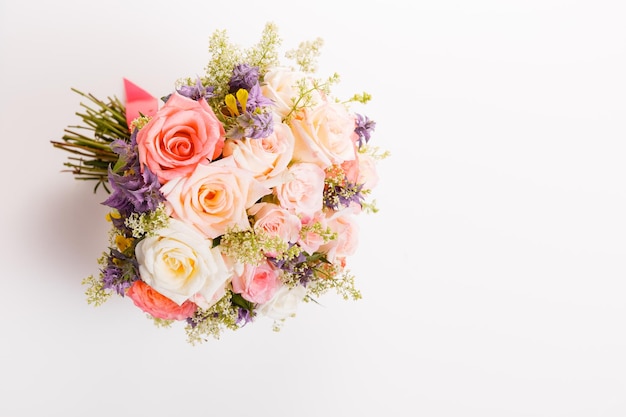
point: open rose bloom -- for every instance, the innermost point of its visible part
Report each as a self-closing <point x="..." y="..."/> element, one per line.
<point x="236" y="199"/>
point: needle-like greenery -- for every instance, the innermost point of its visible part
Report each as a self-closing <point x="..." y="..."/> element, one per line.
<point x="89" y="143"/>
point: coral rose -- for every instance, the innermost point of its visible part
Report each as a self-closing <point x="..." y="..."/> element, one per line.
<point x="157" y="305"/>
<point x="180" y="136"/>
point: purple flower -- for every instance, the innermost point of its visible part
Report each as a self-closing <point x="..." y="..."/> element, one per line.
<point x="253" y="126"/>
<point x="119" y="273"/>
<point x="256" y="99"/>
<point x="133" y="191"/>
<point x="244" y="316"/>
<point x="196" y="92"/>
<point x="364" y="128"/>
<point x="343" y="195"/>
<point x="300" y="267"/>
<point x="244" y="76"/>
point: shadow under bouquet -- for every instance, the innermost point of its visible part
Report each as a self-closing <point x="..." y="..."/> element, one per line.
<point x="234" y="196"/>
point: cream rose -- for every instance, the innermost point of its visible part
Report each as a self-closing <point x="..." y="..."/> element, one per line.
<point x="303" y="192"/>
<point x="284" y="303"/>
<point x="266" y="158"/>
<point x="179" y="263"/>
<point x="214" y="197"/>
<point x="324" y="135"/>
<point x="280" y="84"/>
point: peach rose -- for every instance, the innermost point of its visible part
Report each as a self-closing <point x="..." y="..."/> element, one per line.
<point x="266" y="158"/>
<point x="324" y="135"/>
<point x="157" y="305"/>
<point x="368" y="172"/>
<point x="183" y="134"/>
<point x="344" y="224"/>
<point x="214" y="197"/>
<point x="258" y="283"/>
<point x="303" y="193"/>
<point x="276" y="221"/>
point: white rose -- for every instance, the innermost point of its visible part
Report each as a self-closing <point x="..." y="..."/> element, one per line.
<point x="280" y="84"/>
<point x="284" y="303"/>
<point x="179" y="263"/>
<point x="266" y="158"/>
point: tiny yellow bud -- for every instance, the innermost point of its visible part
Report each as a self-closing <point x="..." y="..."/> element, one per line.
<point x="231" y="104"/>
<point x="242" y="97"/>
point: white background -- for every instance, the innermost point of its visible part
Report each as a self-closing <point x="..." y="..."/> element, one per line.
<point x="493" y="277"/>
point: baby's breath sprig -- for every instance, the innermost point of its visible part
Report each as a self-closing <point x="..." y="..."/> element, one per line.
<point x="250" y="247"/>
<point x="305" y="98"/>
<point x="306" y="55"/>
<point x="332" y="277"/>
<point x="224" y="56"/>
<point x="146" y="224"/>
<point x="362" y="98"/>
<point x="375" y="152"/>
<point x="95" y="292"/>
<point x="103" y="122"/>
<point x="212" y="321"/>
<point x="265" y="53"/>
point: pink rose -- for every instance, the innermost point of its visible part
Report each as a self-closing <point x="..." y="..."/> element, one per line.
<point x="324" y="135"/>
<point x="276" y="221"/>
<point x="214" y="197"/>
<point x="303" y="192"/>
<point x="266" y="158"/>
<point x="182" y="135"/>
<point x="257" y="284"/>
<point x="310" y="241"/>
<point x="157" y="305"/>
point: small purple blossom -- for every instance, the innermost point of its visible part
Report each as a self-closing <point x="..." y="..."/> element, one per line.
<point x="134" y="191"/>
<point x="364" y="128"/>
<point x="256" y="99"/>
<point x="244" y="316"/>
<point x="244" y="76"/>
<point x="299" y="267"/>
<point x="196" y="92"/>
<point x="119" y="273"/>
<point x="343" y="195"/>
<point x="253" y="126"/>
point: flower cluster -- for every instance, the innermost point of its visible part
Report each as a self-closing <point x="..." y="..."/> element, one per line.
<point x="236" y="197"/>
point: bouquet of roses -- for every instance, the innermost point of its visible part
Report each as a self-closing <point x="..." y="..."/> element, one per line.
<point x="235" y="196"/>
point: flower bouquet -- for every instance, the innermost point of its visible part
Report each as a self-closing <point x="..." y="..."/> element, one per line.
<point x="235" y="196"/>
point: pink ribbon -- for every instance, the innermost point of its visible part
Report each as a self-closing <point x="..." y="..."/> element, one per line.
<point x="138" y="102"/>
